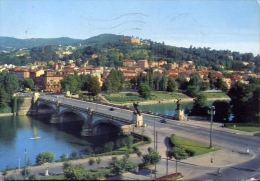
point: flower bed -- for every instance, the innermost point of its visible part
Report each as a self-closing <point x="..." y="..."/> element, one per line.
<point x="170" y="176"/>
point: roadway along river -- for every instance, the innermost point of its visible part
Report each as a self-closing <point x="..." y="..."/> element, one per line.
<point x="223" y="140"/>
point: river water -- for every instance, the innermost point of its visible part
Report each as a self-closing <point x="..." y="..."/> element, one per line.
<point x="16" y="133"/>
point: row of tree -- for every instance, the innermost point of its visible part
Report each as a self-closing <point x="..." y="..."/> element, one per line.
<point x="84" y="82"/>
<point x="244" y="104"/>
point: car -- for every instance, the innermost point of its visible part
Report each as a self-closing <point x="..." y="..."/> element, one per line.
<point x="111" y="109"/>
<point x="163" y="121"/>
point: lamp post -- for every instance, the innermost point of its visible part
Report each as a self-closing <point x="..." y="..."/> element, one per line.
<point x="25" y="152"/>
<point x="211" y="112"/>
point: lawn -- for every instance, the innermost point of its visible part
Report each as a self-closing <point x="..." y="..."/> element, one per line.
<point x="130" y="97"/>
<point x="192" y="146"/>
<point x="246" y="128"/>
<point x="97" y="172"/>
<point x="215" y="95"/>
<point x="52" y="177"/>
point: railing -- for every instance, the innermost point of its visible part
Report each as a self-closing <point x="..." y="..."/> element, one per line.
<point x="96" y="113"/>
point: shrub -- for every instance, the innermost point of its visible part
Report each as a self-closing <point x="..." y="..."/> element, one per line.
<point x="27" y="171"/>
<point x="73" y="155"/>
<point x="91" y="161"/>
<point x="63" y="157"/>
<point x="44" y="157"/>
<point x="66" y="165"/>
<point x="32" y="177"/>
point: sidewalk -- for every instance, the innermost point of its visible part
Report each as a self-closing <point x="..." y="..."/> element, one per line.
<point x="216" y="126"/>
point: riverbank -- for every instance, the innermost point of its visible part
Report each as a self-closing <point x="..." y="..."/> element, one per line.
<point x="6" y="114"/>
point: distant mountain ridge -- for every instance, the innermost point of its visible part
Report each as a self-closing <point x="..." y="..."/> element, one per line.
<point x="35" y="42"/>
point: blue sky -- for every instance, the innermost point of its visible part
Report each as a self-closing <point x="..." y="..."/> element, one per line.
<point x="219" y="24"/>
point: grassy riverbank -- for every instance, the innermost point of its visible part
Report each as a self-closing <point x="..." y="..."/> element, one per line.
<point x="126" y="98"/>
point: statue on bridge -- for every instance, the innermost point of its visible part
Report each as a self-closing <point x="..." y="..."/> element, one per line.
<point x="137" y="111"/>
<point x="178" y="104"/>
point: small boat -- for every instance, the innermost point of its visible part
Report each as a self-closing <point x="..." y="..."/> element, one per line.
<point x="35" y="137"/>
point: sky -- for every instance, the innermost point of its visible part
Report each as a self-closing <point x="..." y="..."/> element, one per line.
<point x="219" y="24"/>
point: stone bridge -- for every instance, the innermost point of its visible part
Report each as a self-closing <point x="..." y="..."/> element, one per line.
<point x="95" y="123"/>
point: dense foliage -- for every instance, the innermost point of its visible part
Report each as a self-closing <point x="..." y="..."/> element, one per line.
<point x="244" y="101"/>
<point x="111" y="50"/>
<point x="44" y="157"/>
<point x="151" y="158"/>
<point x="200" y="107"/>
<point x="119" y="166"/>
<point x="115" y="81"/>
<point x="8" y="86"/>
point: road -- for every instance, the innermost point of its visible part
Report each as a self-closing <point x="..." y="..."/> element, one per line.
<point x="232" y="142"/>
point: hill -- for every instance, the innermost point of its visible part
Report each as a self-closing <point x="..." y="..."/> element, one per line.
<point x="9" y="42"/>
<point x="103" y="39"/>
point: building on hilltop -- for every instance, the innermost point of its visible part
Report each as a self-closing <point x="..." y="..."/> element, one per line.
<point x="132" y="40"/>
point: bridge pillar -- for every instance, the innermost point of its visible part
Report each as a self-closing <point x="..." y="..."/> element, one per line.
<point x="87" y="127"/>
<point x="55" y="118"/>
<point x="137" y="120"/>
<point x="86" y="130"/>
<point x="34" y="107"/>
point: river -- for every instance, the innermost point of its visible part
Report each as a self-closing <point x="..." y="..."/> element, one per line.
<point x="16" y="133"/>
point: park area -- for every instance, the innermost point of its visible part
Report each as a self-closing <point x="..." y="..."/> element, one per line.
<point x="129" y="97"/>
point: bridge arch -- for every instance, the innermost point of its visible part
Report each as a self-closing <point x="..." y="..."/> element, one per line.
<point x="68" y="115"/>
<point x="46" y="107"/>
<point x="103" y="126"/>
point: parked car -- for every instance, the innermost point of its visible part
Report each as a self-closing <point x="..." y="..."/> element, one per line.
<point x="163" y="121"/>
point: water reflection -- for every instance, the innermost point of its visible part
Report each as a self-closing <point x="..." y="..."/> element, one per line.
<point x="16" y="134"/>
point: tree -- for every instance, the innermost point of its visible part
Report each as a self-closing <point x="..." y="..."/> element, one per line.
<point x="177" y="153"/>
<point x="44" y="157"/>
<point x="222" y="111"/>
<point x="242" y="109"/>
<point x="3" y="98"/>
<point x="194" y="85"/>
<point x="204" y="86"/>
<point x="118" y="167"/>
<point x="171" y="85"/>
<point x="91" y="161"/>
<point x="85" y="81"/>
<point x="200" y="107"/>
<point x="211" y="80"/>
<point x="71" y="83"/>
<point x="95" y="86"/>
<point x="28" y="83"/>
<point x="151" y="158"/>
<point x="115" y="80"/>
<point x="182" y="82"/>
<point x="98" y="161"/>
<point x="63" y="157"/>
<point x="9" y="81"/>
<point x="76" y="172"/>
<point x="220" y="84"/>
<point x="73" y="155"/>
<point x="144" y="91"/>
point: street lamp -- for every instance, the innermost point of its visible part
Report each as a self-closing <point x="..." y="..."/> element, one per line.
<point x="25" y="152"/>
<point x="211" y="112"/>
